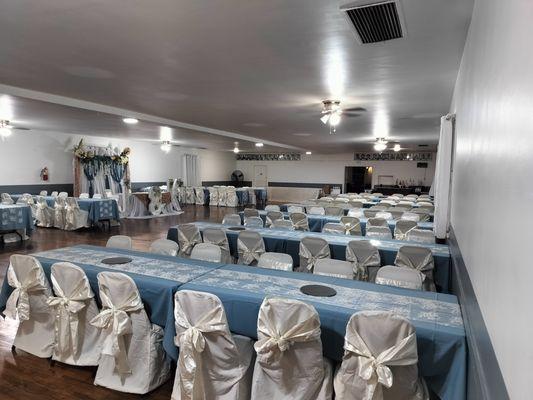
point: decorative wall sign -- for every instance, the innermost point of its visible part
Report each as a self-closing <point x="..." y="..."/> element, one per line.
<point x="416" y="156"/>
<point x="268" y="157"/>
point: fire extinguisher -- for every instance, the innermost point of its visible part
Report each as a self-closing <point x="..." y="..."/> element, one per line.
<point x="44" y="174"/>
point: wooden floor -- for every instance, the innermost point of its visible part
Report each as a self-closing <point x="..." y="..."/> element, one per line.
<point x="23" y="376"/>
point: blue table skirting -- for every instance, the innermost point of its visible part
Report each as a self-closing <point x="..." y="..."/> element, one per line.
<point x="16" y="217"/>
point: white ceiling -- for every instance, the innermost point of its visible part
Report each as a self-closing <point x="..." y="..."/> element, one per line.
<point x="256" y="68"/>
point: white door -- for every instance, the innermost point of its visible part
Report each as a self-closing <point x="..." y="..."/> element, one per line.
<point x="260" y="176"/>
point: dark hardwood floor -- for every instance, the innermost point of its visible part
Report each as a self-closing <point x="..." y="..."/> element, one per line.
<point x="23" y="376"/>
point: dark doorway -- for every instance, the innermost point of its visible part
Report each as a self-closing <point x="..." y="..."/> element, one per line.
<point x="357" y="179"/>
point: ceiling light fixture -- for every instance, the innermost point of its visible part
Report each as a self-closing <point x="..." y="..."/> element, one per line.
<point x="308" y="153"/>
<point x="236" y="148"/>
<point x="397" y="147"/>
<point x="259" y="144"/>
<point x="331" y="111"/>
<point x="5" y="129"/>
<point x="381" y="144"/>
<point x="166" y="146"/>
<point x="130" y="120"/>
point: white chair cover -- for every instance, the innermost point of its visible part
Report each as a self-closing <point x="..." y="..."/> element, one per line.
<point x="316" y="210"/>
<point x="77" y="342"/>
<point x="336" y="268"/>
<point x="43" y="193"/>
<point x="190" y="197"/>
<point x="63" y="194"/>
<point x="232" y="219"/>
<point x="250" y="246"/>
<point x="402" y="228"/>
<point x="188" y="237"/>
<point x="356" y="212"/>
<point x="206" y="252"/>
<point x="380" y="232"/>
<point x="54" y="193"/>
<point x="299" y="221"/>
<point x="272" y="207"/>
<point x="368" y="213"/>
<point x="212" y="363"/>
<point x="403" y="277"/>
<point x="423" y="215"/>
<point x="250" y="212"/>
<point x="334" y="211"/>
<point x="253" y="222"/>
<point x="165" y="247"/>
<point x="384" y="214"/>
<point x="272" y="260"/>
<point x="334" y="227"/>
<point x="312" y="249"/>
<point x="289" y="362"/>
<point x="95" y="196"/>
<point x="380" y="359"/>
<point x="231" y="197"/>
<point x="218" y="237"/>
<point x="272" y="216"/>
<point x="375" y="221"/>
<point x="75" y="218"/>
<point x="119" y="242"/>
<point x="84" y="195"/>
<point x="222" y="196"/>
<point x="282" y="224"/>
<point x="46" y="215"/>
<point x="356" y="204"/>
<point x="420" y="259"/>
<point x="199" y="195"/>
<point x="132" y="358"/>
<point x="6" y="199"/>
<point x="421" y="236"/>
<point x="295" y="209"/>
<point x="352" y="225"/>
<point x="410" y="216"/>
<point x="60" y="207"/>
<point x="365" y="259"/>
<point x="35" y="333"/>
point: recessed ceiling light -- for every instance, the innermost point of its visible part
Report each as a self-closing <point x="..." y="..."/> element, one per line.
<point x="259" y="144"/>
<point x="308" y="153"/>
<point x="130" y="120"/>
<point x="166" y="146"/>
<point x="236" y="148"/>
<point x="397" y="147"/>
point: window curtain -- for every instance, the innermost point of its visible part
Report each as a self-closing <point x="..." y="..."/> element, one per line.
<point x="190" y="163"/>
<point x="443" y="173"/>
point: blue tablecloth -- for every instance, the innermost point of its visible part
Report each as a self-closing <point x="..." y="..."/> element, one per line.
<point x="157" y="278"/>
<point x="98" y="209"/>
<point x="261" y="195"/>
<point x="288" y="242"/>
<point x="16" y="217"/>
<point x="317" y="222"/>
<point x="242" y="197"/>
<point x="206" y="196"/>
<point x="437" y="317"/>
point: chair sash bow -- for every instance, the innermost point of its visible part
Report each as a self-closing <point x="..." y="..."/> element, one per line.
<point x="117" y="323"/>
<point x="186" y="243"/>
<point x="191" y="342"/>
<point x="19" y="300"/>
<point x="375" y="370"/>
<point x="248" y="254"/>
<point x="312" y="258"/>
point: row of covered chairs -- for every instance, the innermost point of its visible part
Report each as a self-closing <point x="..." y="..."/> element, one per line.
<point x="213" y="363"/>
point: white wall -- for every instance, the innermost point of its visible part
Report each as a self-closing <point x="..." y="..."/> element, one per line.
<point x="493" y="169"/>
<point x="330" y="169"/>
<point x="23" y="155"/>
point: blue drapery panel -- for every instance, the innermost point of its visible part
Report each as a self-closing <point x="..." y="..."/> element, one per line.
<point x="90" y="169"/>
<point x="117" y="173"/>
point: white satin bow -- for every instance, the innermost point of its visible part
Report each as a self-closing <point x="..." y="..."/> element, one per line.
<point x="247" y="254"/>
<point x="312" y="259"/>
<point x="67" y="321"/>
<point x="375" y="370"/>
<point x="191" y="343"/>
<point x="186" y="245"/>
<point x="19" y="300"/>
<point x="117" y="323"/>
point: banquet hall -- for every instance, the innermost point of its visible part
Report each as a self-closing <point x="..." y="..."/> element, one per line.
<point x="235" y="200"/>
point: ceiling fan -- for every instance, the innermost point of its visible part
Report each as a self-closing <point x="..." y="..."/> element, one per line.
<point x="6" y="128"/>
<point x="332" y="113"/>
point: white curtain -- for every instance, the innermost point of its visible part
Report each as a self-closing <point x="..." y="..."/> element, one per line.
<point x="190" y="166"/>
<point x="442" y="181"/>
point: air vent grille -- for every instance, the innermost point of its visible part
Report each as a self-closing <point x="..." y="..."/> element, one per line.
<point x="377" y="22"/>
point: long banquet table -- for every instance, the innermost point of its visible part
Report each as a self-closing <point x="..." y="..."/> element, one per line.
<point x="285" y="241"/>
<point x="437" y="317"/>
<point x="98" y="209"/>
<point x="317" y="222"/>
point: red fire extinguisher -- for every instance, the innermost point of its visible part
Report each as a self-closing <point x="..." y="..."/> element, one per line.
<point x="44" y="174"/>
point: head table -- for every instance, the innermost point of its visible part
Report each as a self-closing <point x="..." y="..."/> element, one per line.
<point x="437" y="317"/>
<point x="98" y="209"/>
<point x="285" y="241"/>
<point x="317" y="222"/>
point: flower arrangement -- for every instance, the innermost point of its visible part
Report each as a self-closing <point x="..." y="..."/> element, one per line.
<point x="100" y="155"/>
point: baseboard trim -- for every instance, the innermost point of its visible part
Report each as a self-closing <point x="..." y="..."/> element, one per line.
<point x="485" y="380"/>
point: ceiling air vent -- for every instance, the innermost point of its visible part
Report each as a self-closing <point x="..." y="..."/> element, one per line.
<point x="376" y="21"/>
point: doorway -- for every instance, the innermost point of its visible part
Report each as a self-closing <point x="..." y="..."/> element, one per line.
<point x="357" y="179"/>
<point x="260" y="176"/>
